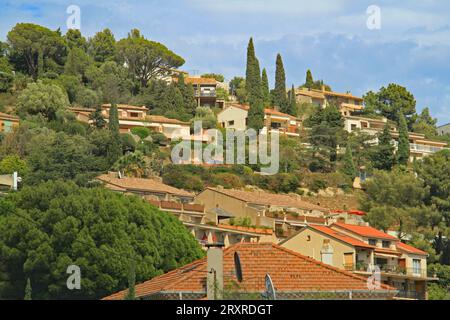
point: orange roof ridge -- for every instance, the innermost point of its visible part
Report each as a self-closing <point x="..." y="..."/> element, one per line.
<point x="340" y="236"/>
<point x="365" y="231"/>
<point x="410" y="249"/>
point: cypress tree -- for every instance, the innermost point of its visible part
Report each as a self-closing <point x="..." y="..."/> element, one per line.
<point x="280" y="97"/>
<point x="403" y="141"/>
<point x="131" y="295"/>
<point x="115" y="146"/>
<point x="28" y="291"/>
<point x="254" y="89"/>
<point x="265" y="87"/>
<point x="309" y="82"/>
<point x="383" y="158"/>
<point x="349" y="168"/>
<point x="292" y="103"/>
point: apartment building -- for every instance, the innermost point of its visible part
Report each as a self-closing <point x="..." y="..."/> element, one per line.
<point x="346" y="102"/>
<point x="361" y="248"/>
<point x="204" y="90"/>
<point x="419" y="145"/>
<point x="235" y="116"/>
<point x="150" y="189"/>
<point x="294" y="277"/>
<point x="8" y="122"/>
<point x="212" y="226"/>
<point x="283" y="213"/>
<point x="133" y="116"/>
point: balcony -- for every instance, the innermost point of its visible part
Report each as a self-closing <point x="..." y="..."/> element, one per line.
<point x="410" y="295"/>
<point x="210" y="94"/>
<point x="387" y="268"/>
<point x="424" y="148"/>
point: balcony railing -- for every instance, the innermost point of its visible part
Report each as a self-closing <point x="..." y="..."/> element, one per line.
<point x="205" y="94"/>
<point x="410" y="295"/>
<point x="388" y="268"/>
<point x="424" y="148"/>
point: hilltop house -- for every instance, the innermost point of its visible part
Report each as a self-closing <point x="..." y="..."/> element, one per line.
<point x="204" y="90"/>
<point x="281" y="212"/>
<point x="235" y="116"/>
<point x="359" y="248"/>
<point x="346" y="102"/>
<point x="132" y="116"/>
<point x="8" y="122"/>
<point x="150" y="189"/>
<point x="294" y="276"/>
<point x="419" y="145"/>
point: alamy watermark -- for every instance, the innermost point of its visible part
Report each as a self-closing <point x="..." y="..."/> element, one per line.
<point x="374" y="281"/>
<point x="74" y="19"/>
<point x="239" y="147"/>
<point x="374" y="20"/>
<point x="74" y="280"/>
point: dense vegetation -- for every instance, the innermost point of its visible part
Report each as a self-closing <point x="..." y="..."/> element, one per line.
<point x="46" y="228"/>
<point x="43" y="73"/>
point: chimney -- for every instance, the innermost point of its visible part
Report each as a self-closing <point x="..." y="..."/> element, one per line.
<point x="214" y="278"/>
<point x="327" y="252"/>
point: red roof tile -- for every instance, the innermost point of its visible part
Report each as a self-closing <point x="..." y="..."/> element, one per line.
<point x="364" y="231"/>
<point x="410" y="249"/>
<point x="340" y="236"/>
<point x="290" y="272"/>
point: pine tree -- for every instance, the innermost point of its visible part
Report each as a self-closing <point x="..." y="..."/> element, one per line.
<point x="383" y="157"/>
<point x="403" y="141"/>
<point x="292" y="103"/>
<point x="254" y="89"/>
<point x="115" y="146"/>
<point x="349" y="166"/>
<point x="28" y="291"/>
<point x="309" y="82"/>
<point x="265" y="88"/>
<point x="280" y="97"/>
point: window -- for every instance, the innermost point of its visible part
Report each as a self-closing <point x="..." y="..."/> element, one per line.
<point x="231" y="123"/>
<point x="373" y="242"/>
<point x="416" y="266"/>
<point x="353" y="127"/>
<point x="134" y="115"/>
<point x="386" y="244"/>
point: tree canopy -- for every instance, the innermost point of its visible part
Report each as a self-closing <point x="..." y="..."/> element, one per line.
<point x="45" y="229"/>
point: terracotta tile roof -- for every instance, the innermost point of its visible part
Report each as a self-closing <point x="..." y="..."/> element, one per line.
<point x="198" y="80"/>
<point x="310" y="93"/>
<point x="365" y="231"/>
<point x="290" y="272"/>
<point x="269" y="199"/>
<point x="8" y="116"/>
<point x="343" y="95"/>
<point x="410" y="249"/>
<point x="340" y="236"/>
<point x="139" y="184"/>
<point x="162" y="119"/>
<point x="125" y="106"/>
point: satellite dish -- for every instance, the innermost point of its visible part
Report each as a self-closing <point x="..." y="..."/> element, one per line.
<point x="238" y="267"/>
<point x="270" y="293"/>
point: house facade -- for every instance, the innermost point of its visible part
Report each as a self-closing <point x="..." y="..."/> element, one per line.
<point x="419" y="145"/>
<point x="283" y="213"/>
<point x="133" y="116"/>
<point x="444" y="129"/>
<point x="204" y="90"/>
<point x="235" y="116"/>
<point x="360" y="249"/>
<point x="346" y="102"/>
<point x="8" y="122"/>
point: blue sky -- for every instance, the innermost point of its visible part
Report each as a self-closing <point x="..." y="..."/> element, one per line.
<point x="330" y="37"/>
